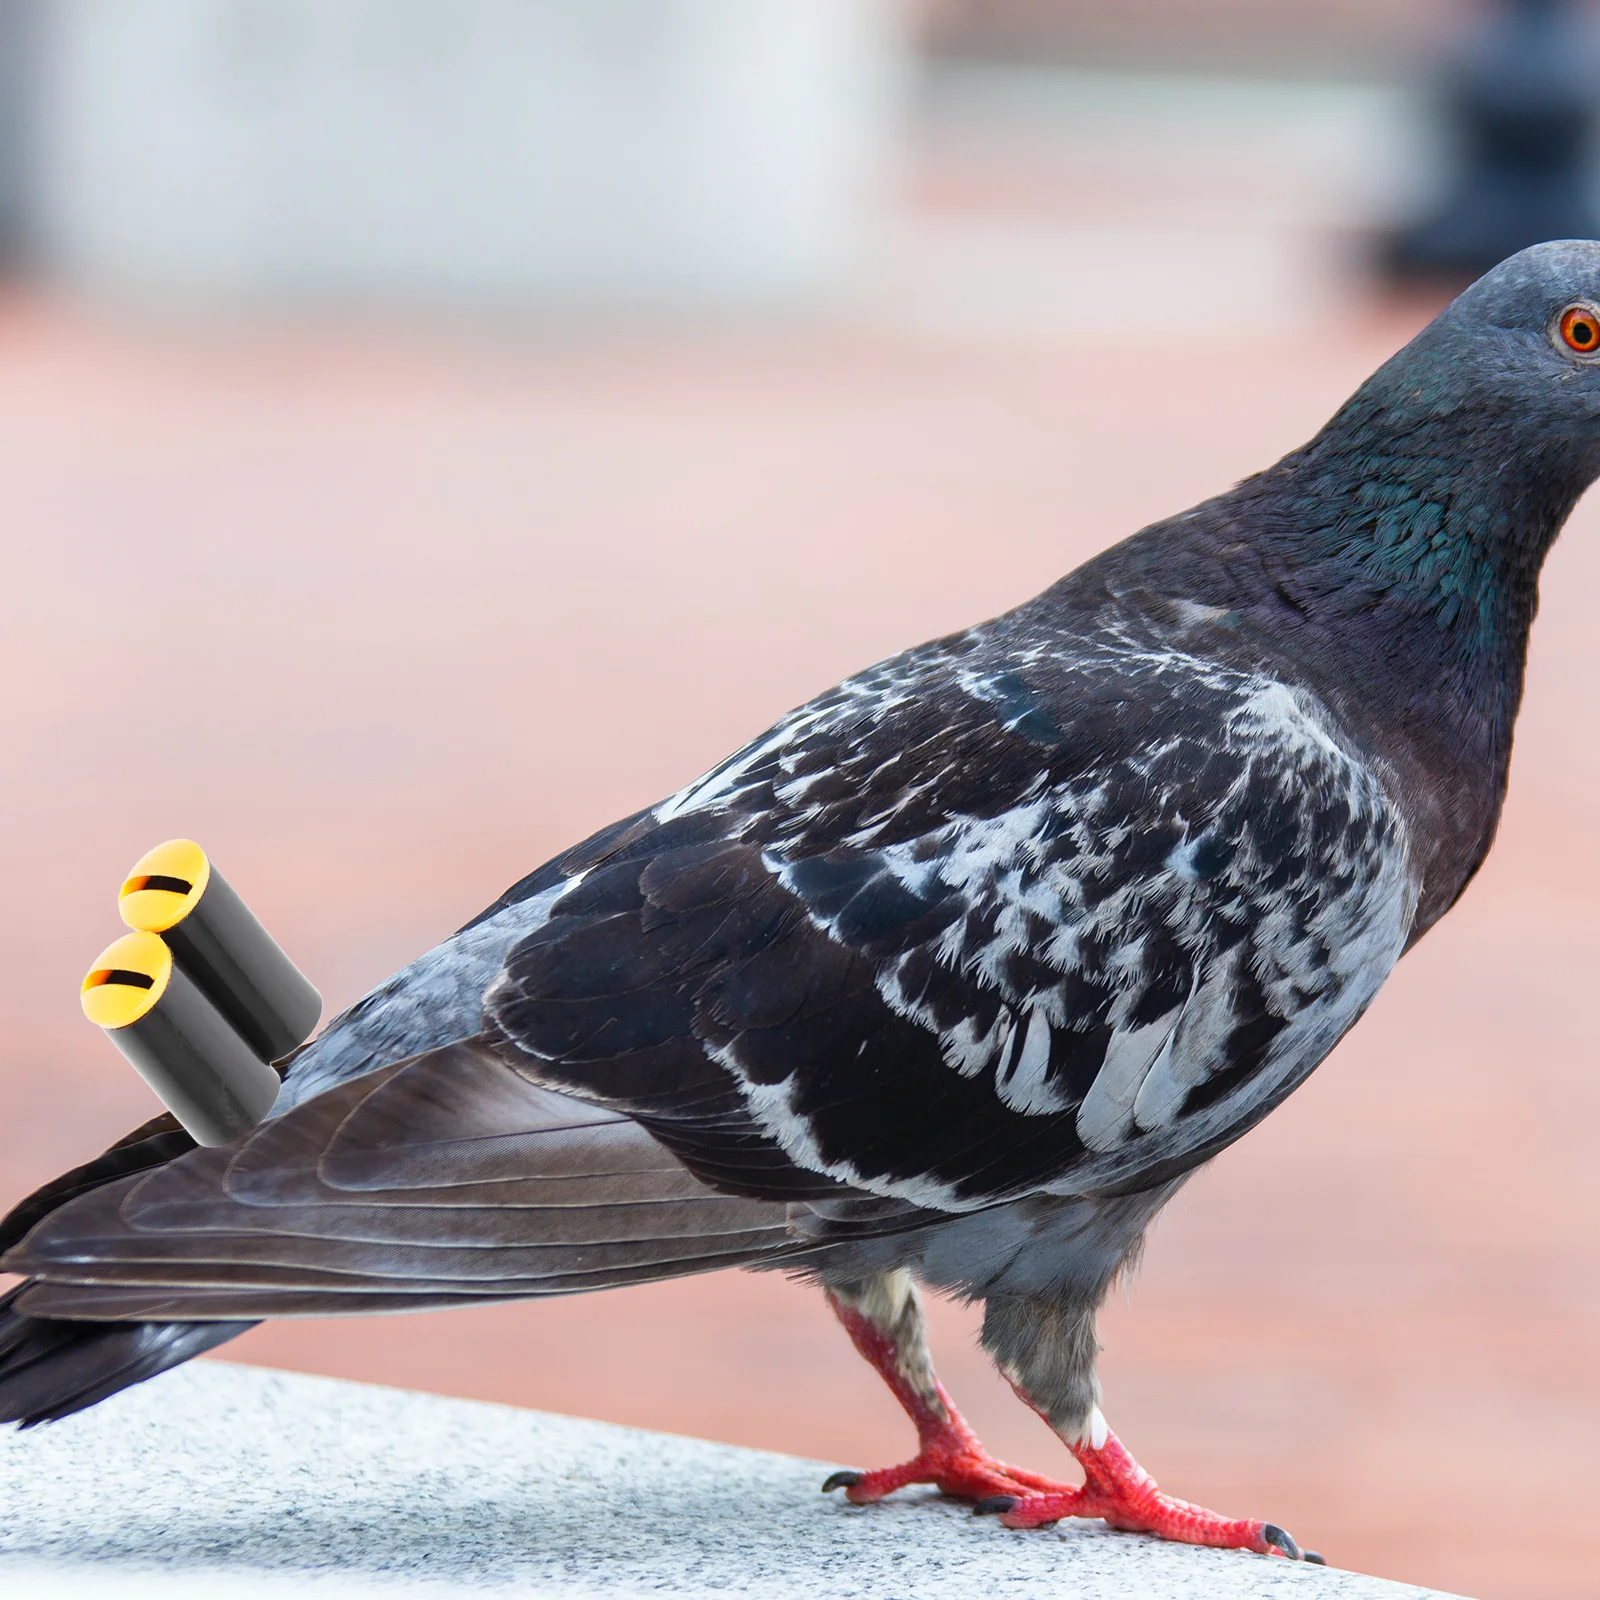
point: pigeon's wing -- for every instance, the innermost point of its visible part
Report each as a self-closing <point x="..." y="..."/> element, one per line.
<point x="446" y="1179"/>
<point x="954" y="935"/>
<point x="437" y="999"/>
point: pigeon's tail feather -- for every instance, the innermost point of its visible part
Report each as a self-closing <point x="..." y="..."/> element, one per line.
<point x="152" y="1144"/>
<point x="449" y="1178"/>
<point x="50" y="1368"/>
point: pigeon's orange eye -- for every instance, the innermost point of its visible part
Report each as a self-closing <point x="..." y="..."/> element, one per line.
<point x="1580" y="329"/>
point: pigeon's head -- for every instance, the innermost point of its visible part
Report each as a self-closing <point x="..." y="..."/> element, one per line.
<point x="1509" y="374"/>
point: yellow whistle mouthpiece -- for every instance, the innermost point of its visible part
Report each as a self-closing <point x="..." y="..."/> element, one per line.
<point x="199" y="996"/>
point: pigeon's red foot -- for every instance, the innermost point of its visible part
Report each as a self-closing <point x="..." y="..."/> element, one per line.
<point x="1120" y="1492"/>
<point x="952" y="1459"/>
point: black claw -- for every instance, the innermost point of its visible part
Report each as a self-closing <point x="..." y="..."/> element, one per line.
<point x="845" y="1479"/>
<point x="995" y="1505"/>
<point x="1315" y="1559"/>
<point x="1279" y="1540"/>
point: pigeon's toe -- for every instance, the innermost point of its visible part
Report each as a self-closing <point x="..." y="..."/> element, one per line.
<point x="995" y="1505"/>
<point x="1281" y="1541"/>
<point x="967" y="1474"/>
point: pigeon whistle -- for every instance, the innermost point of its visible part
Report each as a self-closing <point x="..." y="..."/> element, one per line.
<point x="200" y="998"/>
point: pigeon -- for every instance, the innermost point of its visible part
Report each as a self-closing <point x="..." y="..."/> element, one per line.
<point x="949" y="980"/>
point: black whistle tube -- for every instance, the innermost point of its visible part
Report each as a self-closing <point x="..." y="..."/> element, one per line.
<point x="176" y="892"/>
<point x="207" y="1075"/>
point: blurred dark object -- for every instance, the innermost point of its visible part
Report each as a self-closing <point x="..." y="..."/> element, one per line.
<point x="1521" y="103"/>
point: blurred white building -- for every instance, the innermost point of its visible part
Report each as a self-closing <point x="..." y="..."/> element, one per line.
<point x="590" y="153"/>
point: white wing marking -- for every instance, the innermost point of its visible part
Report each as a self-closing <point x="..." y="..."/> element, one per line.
<point x="1198" y="1048"/>
<point x="1106" y="1115"/>
<point x="1023" y="1085"/>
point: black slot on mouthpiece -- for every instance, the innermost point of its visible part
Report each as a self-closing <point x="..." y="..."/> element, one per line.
<point x="218" y="944"/>
<point x="206" y="1074"/>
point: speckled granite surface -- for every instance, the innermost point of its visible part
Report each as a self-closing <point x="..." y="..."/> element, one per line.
<point x="221" y="1480"/>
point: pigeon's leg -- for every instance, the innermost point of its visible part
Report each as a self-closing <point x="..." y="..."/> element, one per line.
<point x="1047" y="1352"/>
<point x="883" y="1316"/>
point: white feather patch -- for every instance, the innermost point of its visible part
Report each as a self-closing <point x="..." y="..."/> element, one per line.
<point x="1106" y="1115"/>
<point x="1024" y="1085"/>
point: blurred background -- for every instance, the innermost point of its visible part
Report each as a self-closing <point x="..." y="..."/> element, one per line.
<point x="432" y="428"/>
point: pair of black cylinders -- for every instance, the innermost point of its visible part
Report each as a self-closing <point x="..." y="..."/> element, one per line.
<point x="199" y="997"/>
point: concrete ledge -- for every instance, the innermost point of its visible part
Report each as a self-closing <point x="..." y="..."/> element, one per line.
<point x="226" y="1480"/>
